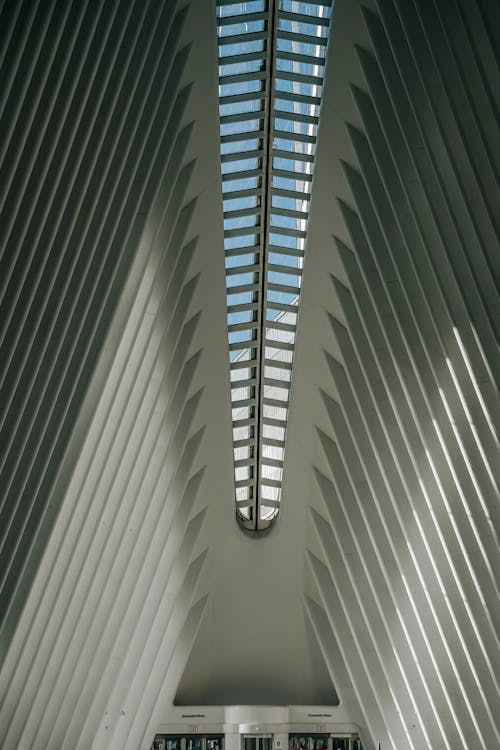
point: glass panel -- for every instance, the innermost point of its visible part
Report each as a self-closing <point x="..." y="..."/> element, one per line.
<point x="260" y="197"/>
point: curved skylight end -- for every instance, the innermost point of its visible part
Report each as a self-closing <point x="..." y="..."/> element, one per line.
<point x="271" y="68"/>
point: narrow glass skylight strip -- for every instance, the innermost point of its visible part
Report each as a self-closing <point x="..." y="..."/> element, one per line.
<point x="271" y="68"/>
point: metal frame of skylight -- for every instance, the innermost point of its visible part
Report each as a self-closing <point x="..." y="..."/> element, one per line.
<point x="268" y="87"/>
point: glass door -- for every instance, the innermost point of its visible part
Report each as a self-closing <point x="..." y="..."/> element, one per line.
<point x="257" y="742"/>
<point x="188" y="742"/>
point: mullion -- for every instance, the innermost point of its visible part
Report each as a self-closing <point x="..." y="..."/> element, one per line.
<point x="288" y="75"/>
<point x="274" y="402"/>
<point x="237" y="270"/>
<point x="284" y="270"/>
<point x="243" y="308"/>
<point x="273" y="442"/>
<point x="325" y="3"/>
<point x="241" y="212"/>
<point x="246" y="249"/>
<point x="243" y="403"/>
<point x="242" y="364"/>
<point x="240" y="290"/>
<point x="272" y="421"/>
<point x="299" y="234"/>
<point x="240" y="463"/>
<point x="294" y="194"/>
<point x="283" y="114"/>
<point x="228" y="79"/>
<point x="220" y="3"/>
<point x="286" y="135"/>
<point x="242" y="155"/>
<point x="281" y="250"/>
<point x="289" y="15"/>
<point x="299" y="57"/>
<point x="242" y="18"/>
<point x="235" y="2"/>
<point x="274" y="287"/>
<point x="293" y="36"/>
<point x="250" y="231"/>
<point x="250" y="135"/>
<point x="242" y="117"/>
<point x="292" y="155"/>
<point x="298" y="215"/>
<point x="282" y="307"/>
<point x="245" y="483"/>
<point x="277" y="325"/>
<point x="266" y="501"/>
<point x="241" y="175"/>
<point x="244" y="443"/>
<point x="289" y="175"/>
<point x="243" y="193"/>
<point x="248" y="96"/>
<point x="278" y="365"/>
<point x="243" y="57"/>
<point x="289" y="96"/>
<point x="251" y="36"/>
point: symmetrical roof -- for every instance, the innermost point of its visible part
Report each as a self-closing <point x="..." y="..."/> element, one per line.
<point x="126" y="587"/>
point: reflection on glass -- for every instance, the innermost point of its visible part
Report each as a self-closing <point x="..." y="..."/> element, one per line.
<point x="188" y="742"/>
<point x="324" y="742"/>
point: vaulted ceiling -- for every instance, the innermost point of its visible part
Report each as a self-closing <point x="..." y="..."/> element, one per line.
<point x="126" y="583"/>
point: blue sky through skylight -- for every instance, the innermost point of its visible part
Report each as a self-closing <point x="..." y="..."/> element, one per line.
<point x="267" y="162"/>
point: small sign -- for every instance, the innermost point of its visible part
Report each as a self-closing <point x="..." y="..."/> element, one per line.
<point x="193" y="729"/>
<point x="320" y="727"/>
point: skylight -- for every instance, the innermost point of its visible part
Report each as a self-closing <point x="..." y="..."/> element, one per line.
<point x="271" y="68"/>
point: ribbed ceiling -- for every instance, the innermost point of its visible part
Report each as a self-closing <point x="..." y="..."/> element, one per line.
<point x="404" y="371"/>
<point x="120" y="558"/>
<point x="104" y="337"/>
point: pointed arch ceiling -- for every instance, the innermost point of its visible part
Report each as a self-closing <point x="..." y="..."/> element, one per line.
<point x="121" y="562"/>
